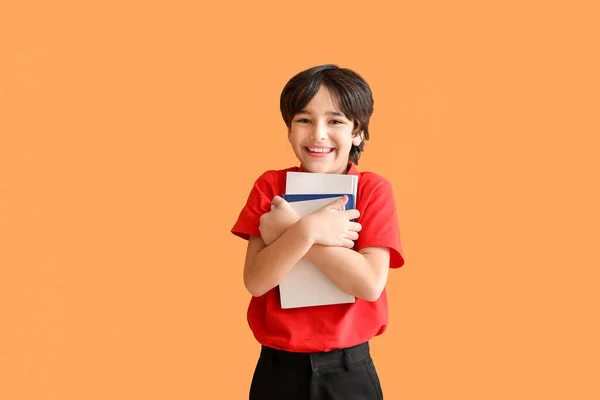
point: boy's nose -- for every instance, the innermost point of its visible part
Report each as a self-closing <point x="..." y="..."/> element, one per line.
<point x="320" y="132"/>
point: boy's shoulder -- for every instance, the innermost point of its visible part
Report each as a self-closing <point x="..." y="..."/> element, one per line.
<point x="372" y="179"/>
<point x="275" y="174"/>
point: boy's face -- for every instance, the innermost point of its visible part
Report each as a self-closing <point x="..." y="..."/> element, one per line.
<point x="321" y="135"/>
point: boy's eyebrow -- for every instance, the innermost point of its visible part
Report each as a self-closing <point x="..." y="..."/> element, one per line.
<point x="334" y="113"/>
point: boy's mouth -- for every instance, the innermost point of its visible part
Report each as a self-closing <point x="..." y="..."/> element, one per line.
<point x="319" y="151"/>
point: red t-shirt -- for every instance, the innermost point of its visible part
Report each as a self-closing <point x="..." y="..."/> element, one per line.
<point x="323" y="328"/>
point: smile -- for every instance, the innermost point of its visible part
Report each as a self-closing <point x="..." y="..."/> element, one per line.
<point x="319" y="150"/>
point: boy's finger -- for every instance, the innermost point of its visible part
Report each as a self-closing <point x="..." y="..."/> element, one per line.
<point x="352" y="214"/>
<point x="355" y="227"/>
<point x="339" y="204"/>
<point x="347" y="243"/>
<point x="277" y="201"/>
<point x="352" y="235"/>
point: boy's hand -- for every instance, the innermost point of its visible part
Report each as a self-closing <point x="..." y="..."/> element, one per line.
<point x="274" y="223"/>
<point x="331" y="225"/>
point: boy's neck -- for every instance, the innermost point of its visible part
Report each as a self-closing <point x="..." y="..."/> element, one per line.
<point x="349" y="167"/>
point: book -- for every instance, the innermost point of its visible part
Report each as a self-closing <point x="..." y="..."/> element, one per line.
<point x="305" y="285"/>
<point x="306" y="200"/>
<point x="316" y="183"/>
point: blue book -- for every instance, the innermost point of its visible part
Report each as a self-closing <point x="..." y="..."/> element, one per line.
<point x="291" y="198"/>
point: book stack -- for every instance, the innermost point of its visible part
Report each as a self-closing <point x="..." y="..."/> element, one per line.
<point x="305" y="285"/>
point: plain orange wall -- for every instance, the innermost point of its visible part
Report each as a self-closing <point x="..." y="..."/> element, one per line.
<point x="131" y="134"/>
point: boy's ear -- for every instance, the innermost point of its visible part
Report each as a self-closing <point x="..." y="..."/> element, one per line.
<point x="358" y="138"/>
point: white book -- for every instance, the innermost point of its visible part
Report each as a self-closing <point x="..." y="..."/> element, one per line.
<point x="314" y="183"/>
<point x="305" y="285"/>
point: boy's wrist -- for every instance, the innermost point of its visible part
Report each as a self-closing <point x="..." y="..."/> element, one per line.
<point x="304" y="229"/>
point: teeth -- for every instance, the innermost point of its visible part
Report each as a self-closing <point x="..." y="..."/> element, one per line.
<point x="319" y="150"/>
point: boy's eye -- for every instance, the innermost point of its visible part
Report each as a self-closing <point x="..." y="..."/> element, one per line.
<point x="302" y="120"/>
<point x="335" y="121"/>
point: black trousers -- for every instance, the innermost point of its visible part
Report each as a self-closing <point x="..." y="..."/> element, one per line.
<point x="345" y="374"/>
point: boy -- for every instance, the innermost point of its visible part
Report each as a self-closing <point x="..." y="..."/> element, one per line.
<point x="320" y="352"/>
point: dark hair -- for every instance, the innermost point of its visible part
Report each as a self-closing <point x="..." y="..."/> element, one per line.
<point x="350" y="90"/>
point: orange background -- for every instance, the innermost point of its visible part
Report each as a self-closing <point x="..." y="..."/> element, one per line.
<point x="131" y="135"/>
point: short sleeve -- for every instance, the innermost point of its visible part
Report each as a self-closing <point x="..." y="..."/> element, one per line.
<point x="258" y="203"/>
<point x="380" y="223"/>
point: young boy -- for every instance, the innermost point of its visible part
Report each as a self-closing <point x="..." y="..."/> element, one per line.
<point x="320" y="352"/>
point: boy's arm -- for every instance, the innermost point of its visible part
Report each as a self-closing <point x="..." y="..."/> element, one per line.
<point x="362" y="274"/>
<point x="266" y="266"/>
